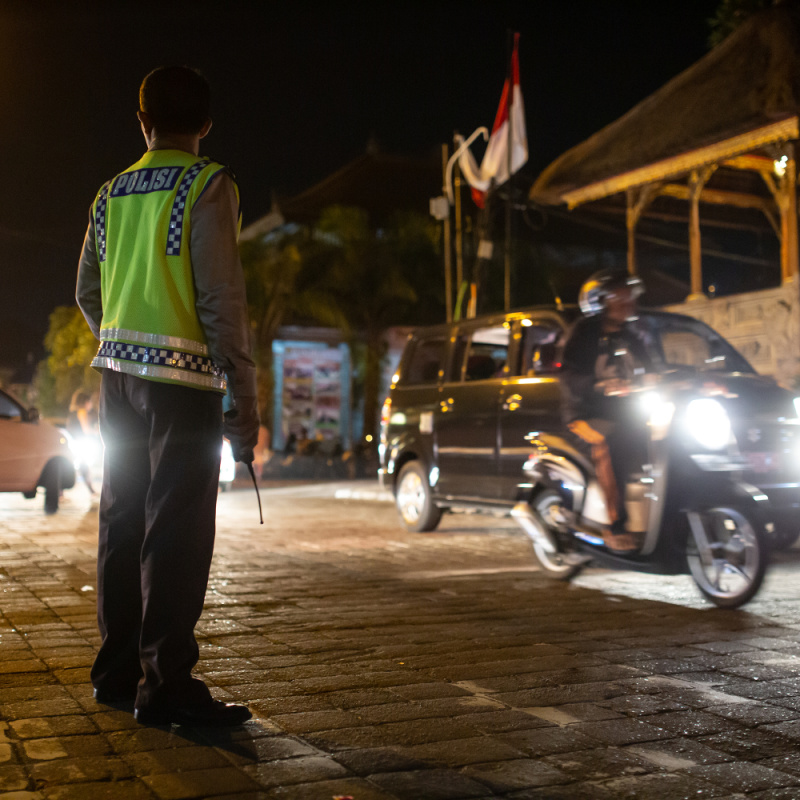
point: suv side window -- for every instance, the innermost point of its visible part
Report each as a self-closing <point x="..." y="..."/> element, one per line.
<point x="481" y="355"/>
<point x="542" y="341"/>
<point x="425" y="361"/>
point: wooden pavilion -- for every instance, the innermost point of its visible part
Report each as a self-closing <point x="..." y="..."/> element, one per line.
<point x="719" y="140"/>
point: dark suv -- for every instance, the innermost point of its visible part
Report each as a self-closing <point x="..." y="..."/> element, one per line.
<point x="468" y="397"/>
<point x="463" y="400"/>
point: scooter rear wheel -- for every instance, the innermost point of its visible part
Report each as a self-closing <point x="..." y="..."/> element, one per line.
<point x="727" y="555"/>
<point x="548" y="506"/>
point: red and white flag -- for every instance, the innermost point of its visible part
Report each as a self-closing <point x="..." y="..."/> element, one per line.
<point x="494" y="166"/>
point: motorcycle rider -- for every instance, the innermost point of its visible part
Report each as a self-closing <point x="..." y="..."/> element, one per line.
<point x="605" y="350"/>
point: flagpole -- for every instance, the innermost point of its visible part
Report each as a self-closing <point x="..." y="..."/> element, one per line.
<point x="509" y="146"/>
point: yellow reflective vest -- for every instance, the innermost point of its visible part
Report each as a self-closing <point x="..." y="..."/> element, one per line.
<point x="142" y="226"/>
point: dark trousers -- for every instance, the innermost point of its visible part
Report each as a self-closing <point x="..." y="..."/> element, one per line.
<point x="617" y="449"/>
<point x="157" y="517"/>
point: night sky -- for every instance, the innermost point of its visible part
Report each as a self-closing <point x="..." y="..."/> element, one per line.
<point x="297" y="90"/>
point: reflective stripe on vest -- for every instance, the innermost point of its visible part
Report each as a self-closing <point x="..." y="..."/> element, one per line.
<point x="168" y="360"/>
<point x="100" y="221"/>
<point x="176" y="217"/>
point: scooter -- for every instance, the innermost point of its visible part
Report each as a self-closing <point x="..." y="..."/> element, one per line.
<point x="688" y="503"/>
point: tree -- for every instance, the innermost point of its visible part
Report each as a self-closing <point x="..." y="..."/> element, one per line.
<point x="376" y="279"/>
<point x="342" y="273"/>
<point x="730" y="14"/>
<point x="281" y="276"/>
<point x="71" y="346"/>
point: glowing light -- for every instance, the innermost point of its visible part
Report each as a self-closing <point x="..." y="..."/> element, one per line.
<point x="659" y="412"/>
<point x="709" y="423"/>
<point x="779" y="165"/>
<point x="368" y="437"/>
<point x="526" y="323"/>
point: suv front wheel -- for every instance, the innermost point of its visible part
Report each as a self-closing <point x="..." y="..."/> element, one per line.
<point x="414" y="499"/>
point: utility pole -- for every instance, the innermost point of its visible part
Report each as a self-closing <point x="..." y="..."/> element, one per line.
<point x="459" y="235"/>
<point x="448" y="267"/>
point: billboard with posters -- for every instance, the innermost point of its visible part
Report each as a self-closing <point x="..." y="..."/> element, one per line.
<point x="312" y="392"/>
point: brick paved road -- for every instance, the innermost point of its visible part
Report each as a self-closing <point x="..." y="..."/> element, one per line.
<point x="381" y="664"/>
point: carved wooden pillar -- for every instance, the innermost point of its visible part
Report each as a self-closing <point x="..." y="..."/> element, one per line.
<point x="788" y="207"/>
<point x="697" y="180"/>
<point x="638" y="198"/>
<point x="782" y="184"/>
<point x="631" y="218"/>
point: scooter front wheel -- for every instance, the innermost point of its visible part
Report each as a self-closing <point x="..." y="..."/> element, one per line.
<point x="727" y="555"/>
<point x="548" y="505"/>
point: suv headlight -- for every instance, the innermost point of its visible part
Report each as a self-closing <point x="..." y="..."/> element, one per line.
<point x="708" y="422"/>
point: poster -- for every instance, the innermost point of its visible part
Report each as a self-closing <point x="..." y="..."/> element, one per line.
<point x="312" y="393"/>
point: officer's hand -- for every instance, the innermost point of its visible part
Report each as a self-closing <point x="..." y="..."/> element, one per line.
<point x="241" y="429"/>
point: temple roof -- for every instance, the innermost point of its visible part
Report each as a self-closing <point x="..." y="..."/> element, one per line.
<point x="741" y="97"/>
<point x="377" y="182"/>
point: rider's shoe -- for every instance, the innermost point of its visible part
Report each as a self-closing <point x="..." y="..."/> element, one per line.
<point x="618" y="540"/>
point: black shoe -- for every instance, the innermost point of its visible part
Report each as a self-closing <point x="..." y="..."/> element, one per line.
<point x="210" y="714"/>
<point x="114" y="696"/>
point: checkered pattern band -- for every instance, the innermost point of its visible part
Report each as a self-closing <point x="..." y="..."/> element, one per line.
<point x="175" y="365"/>
<point x="156" y="340"/>
<point x="176" y="218"/>
<point x="100" y="221"/>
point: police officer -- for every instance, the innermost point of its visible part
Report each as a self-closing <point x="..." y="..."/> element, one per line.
<point x="160" y="284"/>
<point x="605" y="351"/>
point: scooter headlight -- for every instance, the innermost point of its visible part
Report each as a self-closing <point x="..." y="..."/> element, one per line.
<point x="709" y="423"/>
<point x="659" y="413"/>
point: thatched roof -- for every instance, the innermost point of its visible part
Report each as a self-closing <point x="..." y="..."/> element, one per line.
<point x="750" y="82"/>
<point x="377" y="182"/>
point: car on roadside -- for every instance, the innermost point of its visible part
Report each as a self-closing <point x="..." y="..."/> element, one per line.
<point x="227" y="467"/>
<point x="33" y="454"/>
<point x="90" y="451"/>
<point x="469" y="397"/>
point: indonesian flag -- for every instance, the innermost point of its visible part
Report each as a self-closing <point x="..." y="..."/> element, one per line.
<point x="495" y="161"/>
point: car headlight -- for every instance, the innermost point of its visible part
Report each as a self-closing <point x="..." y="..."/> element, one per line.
<point x="709" y="423"/>
<point x="227" y="466"/>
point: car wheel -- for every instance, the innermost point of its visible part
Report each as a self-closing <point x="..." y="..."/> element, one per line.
<point x="52" y="487"/>
<point x="414" y="499"/>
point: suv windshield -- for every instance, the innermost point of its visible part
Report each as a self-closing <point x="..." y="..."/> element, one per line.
<point x="690" y="344"/>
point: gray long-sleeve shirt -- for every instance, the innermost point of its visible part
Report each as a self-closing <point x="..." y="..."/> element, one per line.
<point x="218" y="280"/>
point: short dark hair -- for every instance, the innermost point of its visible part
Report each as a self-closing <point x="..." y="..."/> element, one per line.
<point x="177" y="99"/>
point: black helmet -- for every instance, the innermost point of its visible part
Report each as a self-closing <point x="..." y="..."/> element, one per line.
<point x="592" y="297"/>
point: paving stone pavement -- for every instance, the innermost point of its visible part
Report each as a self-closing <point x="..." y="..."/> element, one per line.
<point x="385" y="665"/>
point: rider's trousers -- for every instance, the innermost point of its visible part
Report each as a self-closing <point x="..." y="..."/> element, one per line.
<point x="616" y="451"/>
